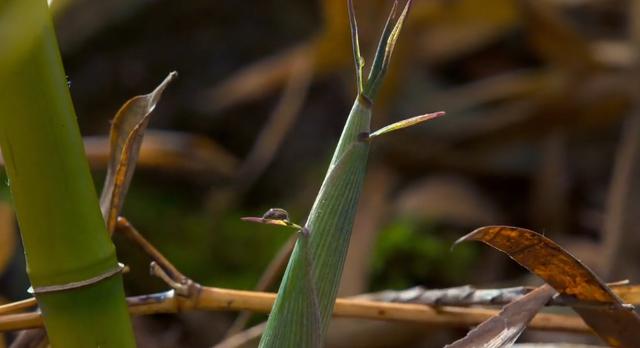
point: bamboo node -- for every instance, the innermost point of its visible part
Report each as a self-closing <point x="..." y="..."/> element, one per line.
<point x="366" y="102"/>
<point x="184" y="287"/>
<point x="78" y="284"/>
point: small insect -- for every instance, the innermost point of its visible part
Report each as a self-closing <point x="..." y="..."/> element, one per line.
<point x="276" y="214"/>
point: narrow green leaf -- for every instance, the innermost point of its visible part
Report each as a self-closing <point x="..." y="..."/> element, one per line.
<point x="406" y="123"/>
<point x="380" y="58"/>
<point x="393" y="38"/>
<point x="385" y="49"/>
<point x="357" y="57"/>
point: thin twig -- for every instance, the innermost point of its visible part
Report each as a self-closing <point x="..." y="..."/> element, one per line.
<point x="468" y="295"/>
<point x="18" y="306"/>
<point x="217" y="299"/>
<point x="123" y="226"/>
<point x="188" y="295"/>
<point x="209" y="298"/>
<point x="461" y="296"/>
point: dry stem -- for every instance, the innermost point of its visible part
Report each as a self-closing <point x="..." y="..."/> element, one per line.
<point x="188" y="295"/>
<point x="208" y="298"/>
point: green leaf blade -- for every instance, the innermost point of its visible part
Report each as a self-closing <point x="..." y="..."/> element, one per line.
<point x="355" y="42"/>
<point x="385" y="49"/>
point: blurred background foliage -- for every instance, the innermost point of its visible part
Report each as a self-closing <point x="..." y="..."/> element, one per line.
<point x="539" y="96"/>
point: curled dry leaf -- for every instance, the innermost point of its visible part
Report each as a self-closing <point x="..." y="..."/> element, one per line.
<point x="126" y="135"/>
<point x="616" y="323"/>
<point x="505" y="328"/>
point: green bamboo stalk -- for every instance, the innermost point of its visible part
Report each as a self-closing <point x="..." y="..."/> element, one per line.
<point x="63" y="232"/>
<point x="331" y="218"/>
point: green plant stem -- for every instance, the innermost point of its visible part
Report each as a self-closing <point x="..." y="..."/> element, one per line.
<point x="330" y="224"/>
<point x="291" y="323"/>
<point x="63" y="232"/>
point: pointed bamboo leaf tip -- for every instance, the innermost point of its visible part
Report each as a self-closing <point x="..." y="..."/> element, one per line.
<point x="407" y="123"/>
<point x="470" y="236"/>
<point x="385" y="48"/>
<point x="394" y="10"/>
<point x="157" y="93"/>
<point x="357" y="57"/>
<point x="393" y="37"/>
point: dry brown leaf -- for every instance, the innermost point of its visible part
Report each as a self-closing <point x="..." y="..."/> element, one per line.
<point x="505" y="328"/>
<point x="616" y="323"/>
<point x="126" y="135"/>
<point x="7" y="235"/>
<point x="170" y="151"/>
<point x="629" y="293"/>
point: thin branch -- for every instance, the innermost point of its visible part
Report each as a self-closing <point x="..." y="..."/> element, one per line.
<point x="460" y="296"/>
<point x="217" y="299"/>
<point x="188" y="295"/>
<point x="468" y="295"/>
<point x="123" y="226"/>
<point x="18" y="306"/>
